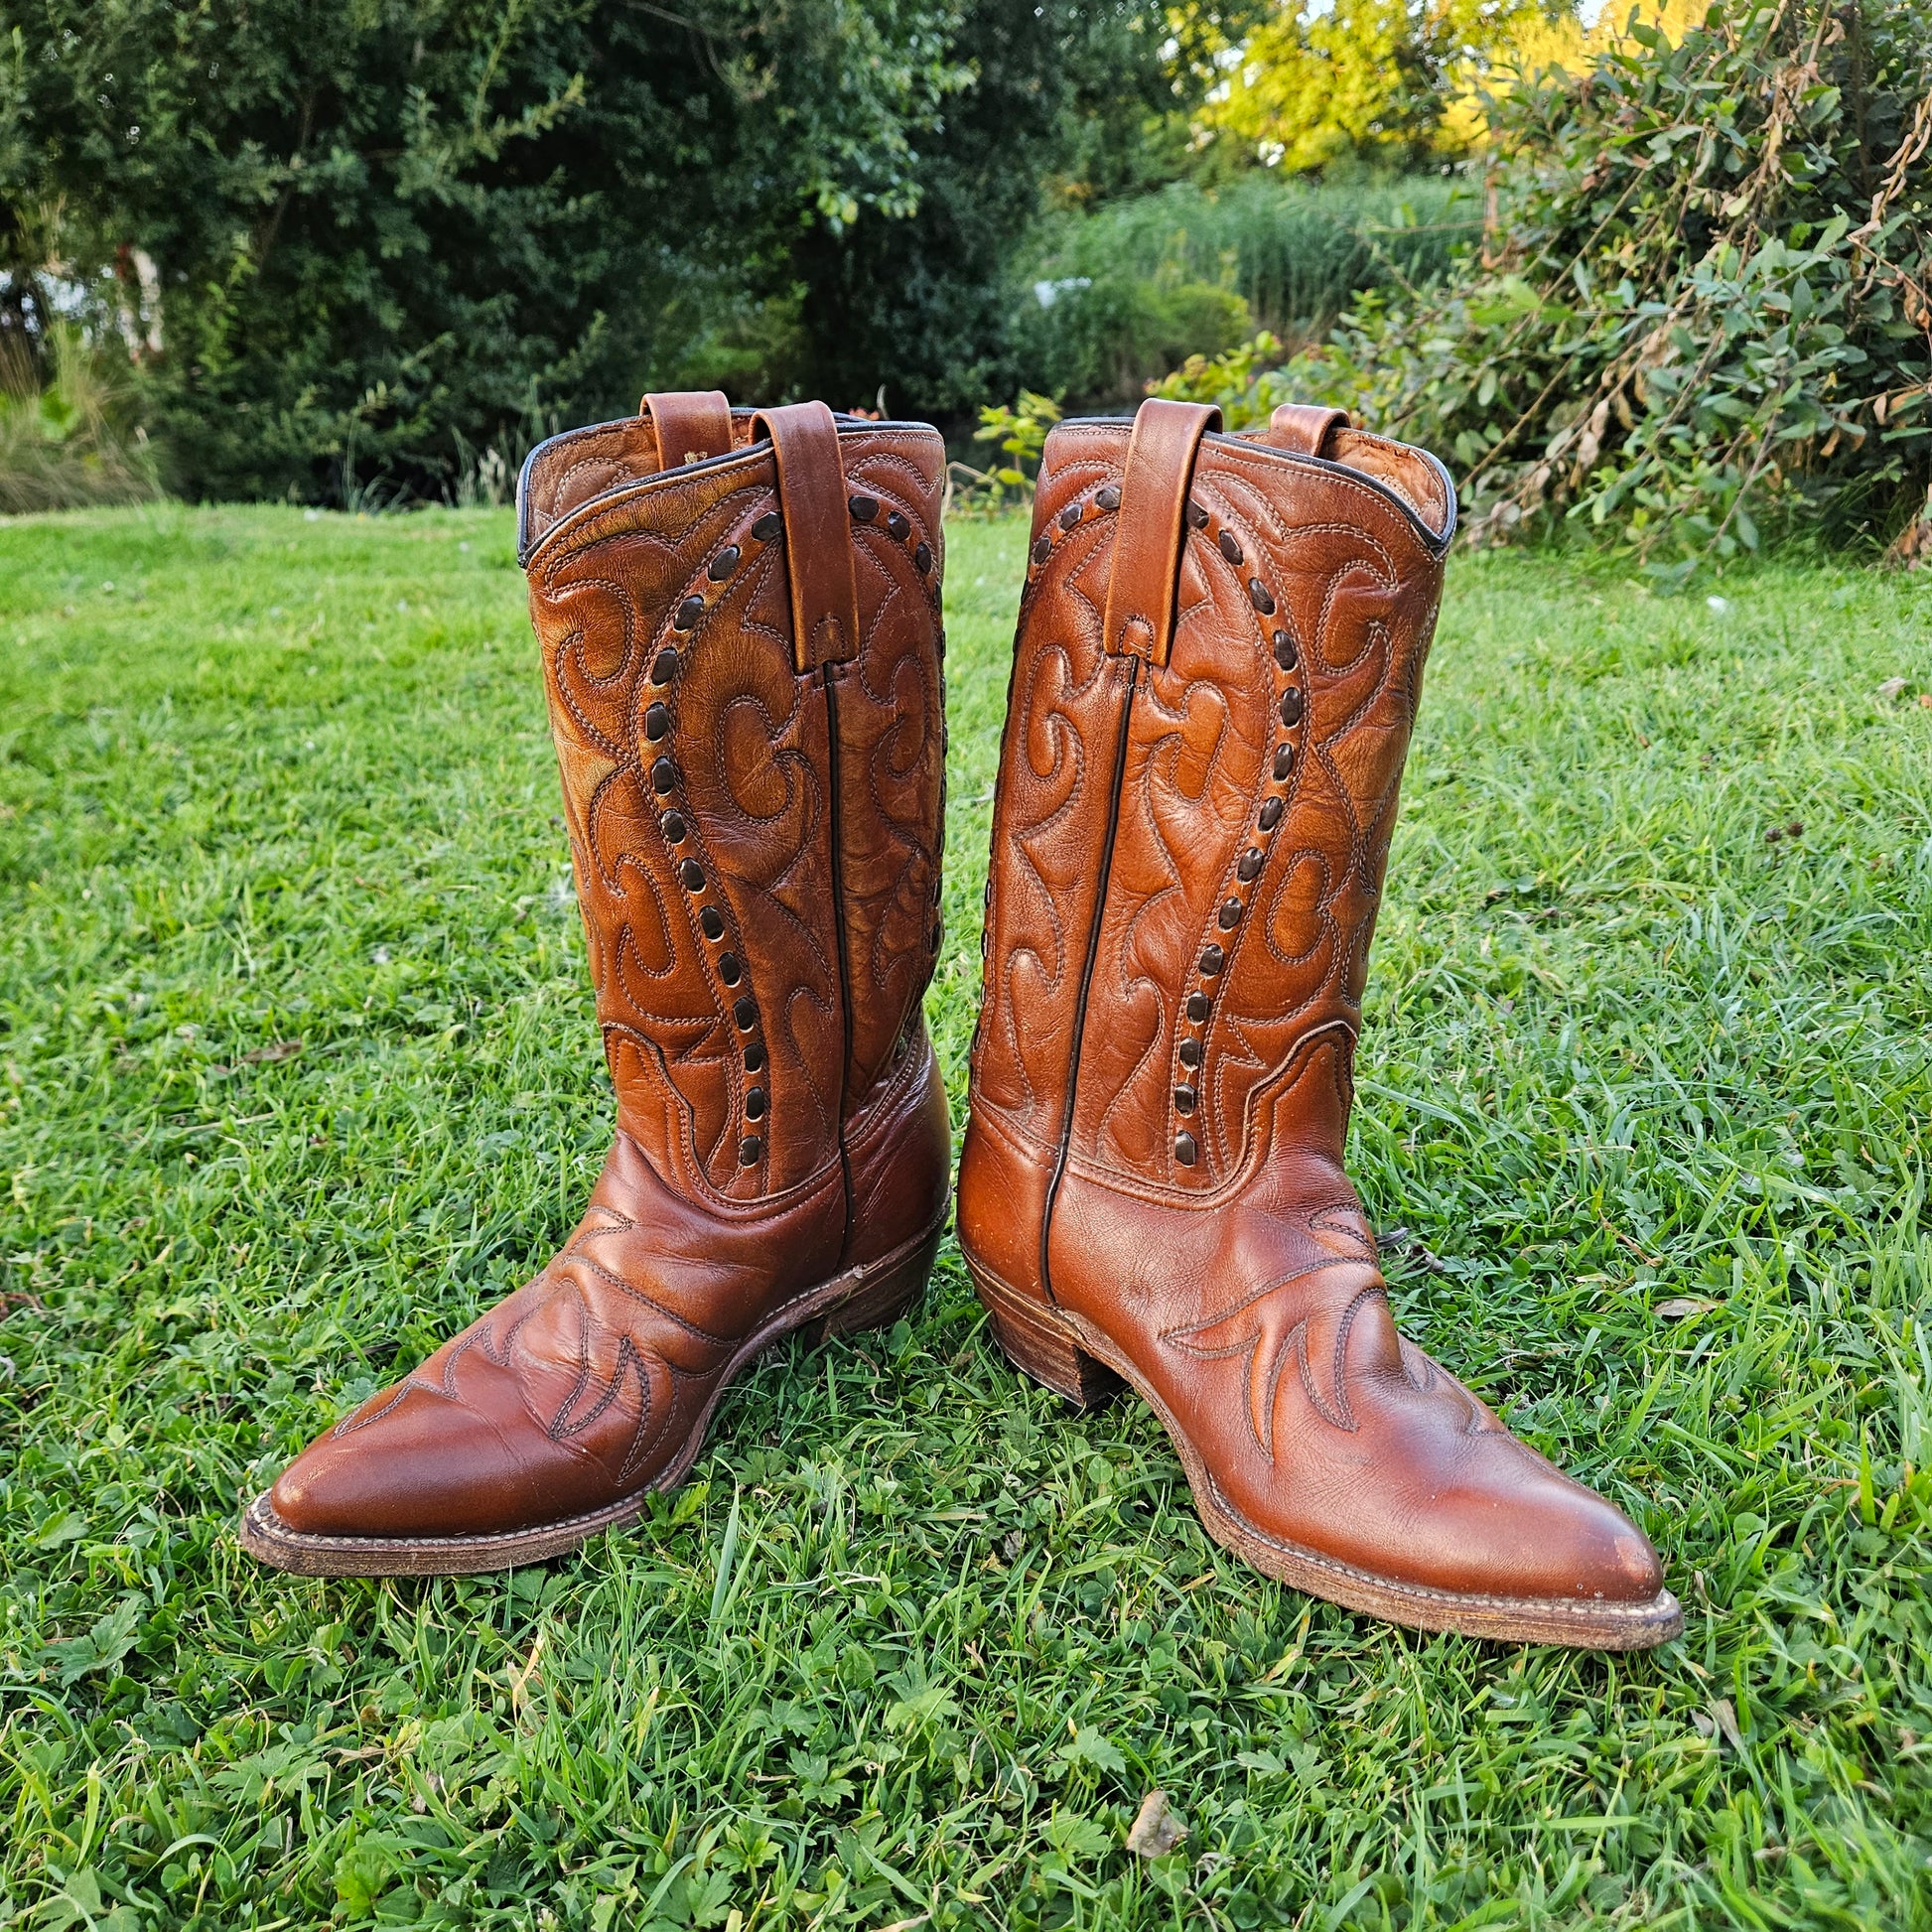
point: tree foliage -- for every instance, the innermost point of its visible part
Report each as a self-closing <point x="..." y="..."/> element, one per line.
<point x="385" y="230"/>
<point x="1362" y="81"/>
<point x="1700" y="305"/>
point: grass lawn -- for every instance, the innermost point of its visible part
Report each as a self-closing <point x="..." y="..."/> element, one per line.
<point x="298" y="1071"/>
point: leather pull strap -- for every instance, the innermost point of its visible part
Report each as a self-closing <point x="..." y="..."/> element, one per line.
<point x="818" y="532"/>
<point x="1303" y="427"/>
<point x="691" y="424"/>
<point x="1152" y="525"/>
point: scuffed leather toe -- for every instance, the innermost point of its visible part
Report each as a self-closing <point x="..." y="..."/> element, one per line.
<point x="426" y="1466"/>
<point x="1518" y="1527"/>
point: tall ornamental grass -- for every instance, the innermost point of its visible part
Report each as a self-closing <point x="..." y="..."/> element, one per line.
<point x="1112" y="298"/>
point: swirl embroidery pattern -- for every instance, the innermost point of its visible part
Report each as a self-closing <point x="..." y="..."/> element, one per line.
<point x="693" y="759"/>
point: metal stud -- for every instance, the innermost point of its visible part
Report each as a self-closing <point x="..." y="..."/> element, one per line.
<point x="1183" y="1100"/>
<point x="754" y="1056"/>
<point x="664" y="666"/>
<point x="767" y="526"/>
<point x="1259" y="596"/>
<point x="922" y="558"/>
<point x="754" y="1103"/>
<point x="1070" y="516"/>
<point x="746" y="1013"/>
<point x="1229" y="548"/>
<point x="1211" y="962"/>
<point x="723" y="562"/>
<point x="1184" y="1150"/>
<point x="1271" y="815"/>
<point x="1250" y="863"/>
<point x="673" y="827"/>
<point x="690" y="875"/>
<point x="863" y="508"/>
<point x="1190" y="1052"/>
<point x="1196" y="515"/>
<point x="1043" y="549"/>
<point x="688" y="613"/>
<point x="713" y="923"/>
<point x="1230" y="916"/>
<point x="1108" y="497"/>
<point x="1197" y="1007"/>
<point x="663" y="775"/>
<point x="1285" y="653"/>
<point x="897" y="526"/>
<point x="750" y="1149"/>
<point x="1291" y="707"/>
<point x="657" y="721"/>
<point x="1284" y="761"/>
<point x="729" y="969"/>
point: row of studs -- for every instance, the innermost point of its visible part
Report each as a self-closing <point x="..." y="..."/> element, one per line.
<point x="676" y="829"/>
<point x="1292" y="707"/>
<point x="1106" y="498"/>
<point x="899" y="527"/>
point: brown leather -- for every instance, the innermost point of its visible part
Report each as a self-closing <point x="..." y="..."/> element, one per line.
<point x="818" y="555"/>
<point x="1188" y="856"/>
<point x="1153" y="506"/>
<point x="690" y="425"/>
<point x="756" y="855"/>
<point x="1303" y="427"/>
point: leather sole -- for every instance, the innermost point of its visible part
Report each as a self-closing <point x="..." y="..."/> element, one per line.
<point x="1071" y="1357"/>
<point x="871" y="1296"/>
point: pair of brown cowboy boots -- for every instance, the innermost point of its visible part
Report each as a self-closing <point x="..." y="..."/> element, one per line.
<point x="1219" y="656"/>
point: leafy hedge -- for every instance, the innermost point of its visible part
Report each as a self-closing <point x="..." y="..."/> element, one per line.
<point x="1700" y="308"/>
<point x="355" y="238"/>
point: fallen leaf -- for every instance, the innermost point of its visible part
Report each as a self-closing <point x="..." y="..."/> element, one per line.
<point x="283" y="1050"/>
<point x="1705" y="1727"/>
<point x="1725" y="1713"/>
<point x="1891" y="689"/>
<point x="1681" y="1306"/>
<point x="1925" y="700"/>
<point x="1156" y="1830"/>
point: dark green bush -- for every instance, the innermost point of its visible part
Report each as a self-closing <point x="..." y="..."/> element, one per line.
<point x="390" y="231"/>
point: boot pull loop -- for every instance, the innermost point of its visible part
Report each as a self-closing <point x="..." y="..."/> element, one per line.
<point x="1151" y="527"/>
<point x="1303" y="428"/>
<point x="818" y="534"/>
<point x="691" y="424"/>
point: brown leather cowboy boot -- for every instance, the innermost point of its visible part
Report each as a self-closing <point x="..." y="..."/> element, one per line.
<point x="1221" y="650"/>
<point x="739" y="625"/>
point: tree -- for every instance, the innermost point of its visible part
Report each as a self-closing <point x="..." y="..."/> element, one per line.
<point x="1318" y="82"/>
<point x="381" y="224"/>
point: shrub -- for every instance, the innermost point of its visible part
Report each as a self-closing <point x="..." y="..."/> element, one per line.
<point x="69" y="434"/>
<point x="387" y="238"/>
<point x="1700" y="306"/>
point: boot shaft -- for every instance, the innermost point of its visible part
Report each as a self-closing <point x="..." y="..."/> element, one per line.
<point x="1218" y="662"/>
<point x="742" y="648"/>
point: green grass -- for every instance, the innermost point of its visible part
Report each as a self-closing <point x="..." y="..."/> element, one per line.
<point x="267" y="781"/>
